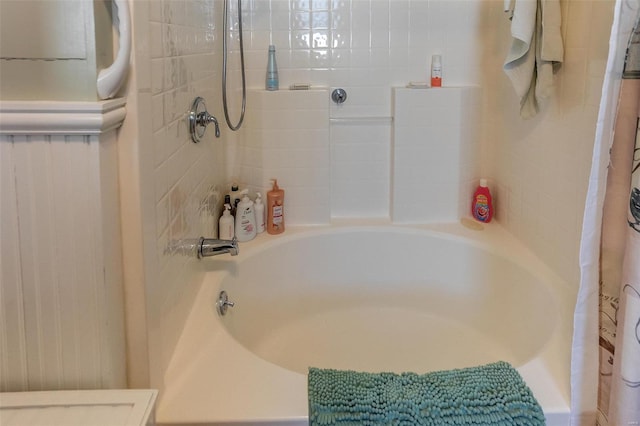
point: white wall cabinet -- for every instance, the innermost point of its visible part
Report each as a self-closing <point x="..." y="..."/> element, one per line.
<point x="53" y="49"/>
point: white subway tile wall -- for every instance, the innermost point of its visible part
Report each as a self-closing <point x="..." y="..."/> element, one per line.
<point x="537" y="168"/>
<point x="182" y="52"/>
<point x="286" y="137"/>
<point x="360" y="167"/>
<point x="433" y="153"/>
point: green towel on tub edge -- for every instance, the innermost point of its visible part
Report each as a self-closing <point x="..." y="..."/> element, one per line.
<point x="492" y="394"/>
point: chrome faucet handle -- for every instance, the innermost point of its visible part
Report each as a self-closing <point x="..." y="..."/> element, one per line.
<point x="199" y="118"/>
<point x="204" y="118"/>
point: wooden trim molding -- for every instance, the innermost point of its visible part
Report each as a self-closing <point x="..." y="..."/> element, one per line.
<point x="61" y="118"/>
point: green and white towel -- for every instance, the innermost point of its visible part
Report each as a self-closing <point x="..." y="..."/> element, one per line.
<point x="493" y="394"/>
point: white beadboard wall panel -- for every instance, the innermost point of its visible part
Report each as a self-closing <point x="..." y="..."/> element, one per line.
<point x="65" y="179"/>
<point x="13" y="342"/>
<point x="63" y="323"/>
<point x="113" y="368"/>
<point x="37" y="248"/>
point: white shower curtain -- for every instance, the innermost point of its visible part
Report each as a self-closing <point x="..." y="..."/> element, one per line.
<point x="606" y="345"/>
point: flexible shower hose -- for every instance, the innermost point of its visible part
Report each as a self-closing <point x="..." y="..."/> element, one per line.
<point x="225" y="48"/>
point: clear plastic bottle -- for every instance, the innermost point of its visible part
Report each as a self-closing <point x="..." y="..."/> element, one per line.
<point x="271" y="81"/>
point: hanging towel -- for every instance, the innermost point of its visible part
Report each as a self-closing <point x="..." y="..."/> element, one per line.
<point x="493" y="394"/>
<point x="508" y="8"/>
<point x="536" y="52"/>
<point x="551" y="49"/>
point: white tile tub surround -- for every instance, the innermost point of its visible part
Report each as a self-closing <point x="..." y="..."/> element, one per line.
<point x="368" y="46"/>
<point x="360" y="167"/>
<point x="286" y="137"/>
<point x="177" y="56"/>
<point x="435" y="153"/>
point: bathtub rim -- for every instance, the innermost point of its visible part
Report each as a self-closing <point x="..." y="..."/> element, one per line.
<point x="553" y="358"/>
<point x="488" y="239"/>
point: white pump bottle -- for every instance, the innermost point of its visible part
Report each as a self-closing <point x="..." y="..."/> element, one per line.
<point x="245" y="218"/>
<point x="226" y="224"/>
<point x="259" y="211"/>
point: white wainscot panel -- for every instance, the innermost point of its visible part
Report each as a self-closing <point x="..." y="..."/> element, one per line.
<point x="61" y="305"/>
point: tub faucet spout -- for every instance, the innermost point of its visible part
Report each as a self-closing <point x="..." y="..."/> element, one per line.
<point x="212" y="247"/>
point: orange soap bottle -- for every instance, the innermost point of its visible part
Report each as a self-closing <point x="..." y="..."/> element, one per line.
<point x="275" y="209"/>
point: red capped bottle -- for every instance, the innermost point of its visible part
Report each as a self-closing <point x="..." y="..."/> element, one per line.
<point x="482" y="206"/>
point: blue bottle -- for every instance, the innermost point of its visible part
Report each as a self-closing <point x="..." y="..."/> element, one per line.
<point x="272" y="70"/>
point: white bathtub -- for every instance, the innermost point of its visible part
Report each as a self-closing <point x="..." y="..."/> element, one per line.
<point x="367" y="298"/>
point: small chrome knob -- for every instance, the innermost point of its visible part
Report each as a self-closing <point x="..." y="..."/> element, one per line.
<point x="339" y="96"/>
<point x="224" y="303"/>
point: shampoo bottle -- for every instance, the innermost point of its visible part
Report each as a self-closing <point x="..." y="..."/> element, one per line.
<point x="235" y="196"/>
<point x="271" y="81"/>
<point x="245" y="219"/>
<point x="436" y="71"/>
<point x="482" y="206"/>
<point x="259" y="211"/>
<point x="275" y="209"/>
<point x="226" y="224"/>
